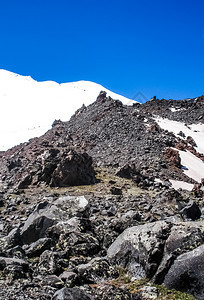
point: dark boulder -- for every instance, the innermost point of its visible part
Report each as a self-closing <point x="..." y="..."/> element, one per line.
<point x="14" y="268"/>
<point x="38" y="247"/>
<point x="74" y="169"/>
<point x="191" y="211"/>
<point x="187" y="273"/>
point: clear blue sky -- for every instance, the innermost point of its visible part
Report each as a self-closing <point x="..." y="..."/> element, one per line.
<point x="156" y="47"/>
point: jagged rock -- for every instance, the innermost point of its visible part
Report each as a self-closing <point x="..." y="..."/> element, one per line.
<point x="14" y="268"/>
<point x="71" y="294"/>
<point x="78" y="243"/>
<point x="74" y="169"/>
<point x="187" y="273"/>
<point x="45" y="215"/>
<point x="53" y="281"/>
<point x="198" y="189"/>
<point x="191" y="211"/>
<point x="173" y="157"/>
<point x="16" y="252"/>
<point x="48" y="263"/>
<point x="25" y="181"/>
<point x="38" y="247"/>
<point x="37" y="223"/>
<point x="183" y="237"/>
<point x="191" y="141"/>
<point x="98" y="269"/>
<point x="140" y="248"/>
<point x="11" y="240"/>
<point x="70" y="278"/>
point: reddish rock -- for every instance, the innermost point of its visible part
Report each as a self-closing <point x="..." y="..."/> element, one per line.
<point x="173" y="157"/>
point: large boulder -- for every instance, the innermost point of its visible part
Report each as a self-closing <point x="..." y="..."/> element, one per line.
<point x="187" y="273"/>
<point x="74" y="169"/>
<point x="140" y="248"/>
<point x="168" y="252"/>
<point x="47" y="214"/>
<point x="183" y="237"/>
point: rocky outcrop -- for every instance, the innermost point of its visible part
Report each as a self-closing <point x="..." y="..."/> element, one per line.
<point x="75" y="169"/>
<point x="56" y="167"/>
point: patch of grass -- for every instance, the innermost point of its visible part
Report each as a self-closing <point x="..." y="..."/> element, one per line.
<point x="137" y="285"/>
<point x="165" y="294"/>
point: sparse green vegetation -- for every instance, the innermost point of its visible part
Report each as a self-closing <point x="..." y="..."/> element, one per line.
<point x="137" y="285"/>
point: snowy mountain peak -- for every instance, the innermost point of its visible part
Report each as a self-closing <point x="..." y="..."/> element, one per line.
<point x="29" y="107"/>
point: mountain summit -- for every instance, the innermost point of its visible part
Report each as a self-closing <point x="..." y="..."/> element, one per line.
<point x="28" y="107"/>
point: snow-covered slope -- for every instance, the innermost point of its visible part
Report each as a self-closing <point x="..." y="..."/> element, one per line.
<point x="194" y="167"/>
<point x="28" y="107"/>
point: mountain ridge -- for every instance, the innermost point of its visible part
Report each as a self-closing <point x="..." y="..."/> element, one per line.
<point x="33" y="106"/>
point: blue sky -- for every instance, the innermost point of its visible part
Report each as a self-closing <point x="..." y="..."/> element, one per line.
<point x="153" y="47"/>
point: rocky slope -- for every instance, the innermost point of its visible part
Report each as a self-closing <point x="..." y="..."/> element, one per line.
<point x="88" y="210"/>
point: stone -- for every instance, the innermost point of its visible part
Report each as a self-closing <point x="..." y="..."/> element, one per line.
<point x="38" y="247"/>
<point x="53" y="281"/>
<point x="71" y="294"/>
<point x="191" y="211"/>
<point x="140" y="248"/>
<point x="187" y="273"/>
<point x="73" y="169"/>
<point x="97" y="270"/>
<point x="14" y="268"/>
<point x="182" y="238"/>
<point x="45" y="215"/>
<point x="70" y="278"/>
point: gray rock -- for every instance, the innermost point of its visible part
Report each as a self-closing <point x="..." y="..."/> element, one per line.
<point x="47" y="263"/>
<point x="7" y="261"/>
<point x="140" y="248"/>
<point x="183" y="238"/>
<point x="45" y="215"/>
<point x="78" y="243"/>
<point x="149" y="292"/>
<point x="71" y="294"/>
<point x="187" y="273"/>
<point x="70" y="278"/>
<point x="38" y="247"/>
<point x="53" y="281"/>
<point x="97" y="270"/>
<point x="13" y="268"/>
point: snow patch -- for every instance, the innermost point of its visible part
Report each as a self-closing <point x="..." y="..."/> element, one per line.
<point x="196" y="131"/>
<point x="176" y="184"/>
<point x="82" y="202"/>
<point x="26" y="103"/>
<point x="194" y="165"/>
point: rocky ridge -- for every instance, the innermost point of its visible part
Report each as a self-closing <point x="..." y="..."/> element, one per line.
<point x="88" y="210"/>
